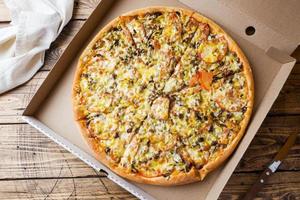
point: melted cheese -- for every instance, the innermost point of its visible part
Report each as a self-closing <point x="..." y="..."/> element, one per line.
<point x="213" y="50"/>
<point x="136" y="97"/>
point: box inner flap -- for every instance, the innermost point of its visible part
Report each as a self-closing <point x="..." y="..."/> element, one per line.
<point x="276" y="22"/>
<point x="281" y="16"/>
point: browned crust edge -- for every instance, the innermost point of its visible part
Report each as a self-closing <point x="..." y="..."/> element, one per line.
<point x="181" y="177"/>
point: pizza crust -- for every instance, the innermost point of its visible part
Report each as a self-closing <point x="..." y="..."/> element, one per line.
<point x="179" y="178"/>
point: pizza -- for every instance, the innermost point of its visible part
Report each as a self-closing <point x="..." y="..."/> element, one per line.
<point x="162" y="95"/>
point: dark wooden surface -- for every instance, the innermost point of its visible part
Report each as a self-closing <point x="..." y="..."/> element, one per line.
<point x="34" y="167"/>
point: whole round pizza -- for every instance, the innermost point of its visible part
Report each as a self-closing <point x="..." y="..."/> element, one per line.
<point x="163" y="95"/>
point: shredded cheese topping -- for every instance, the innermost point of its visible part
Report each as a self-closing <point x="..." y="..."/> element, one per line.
<point x="162" y="94"/>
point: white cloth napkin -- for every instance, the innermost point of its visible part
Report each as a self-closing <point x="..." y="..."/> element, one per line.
<point x="35" y="24"/>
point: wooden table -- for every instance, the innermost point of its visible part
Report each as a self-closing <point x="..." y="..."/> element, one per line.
<point x="32" y="166"/>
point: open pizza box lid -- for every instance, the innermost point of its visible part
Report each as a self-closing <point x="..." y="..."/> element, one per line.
<point x="50" y="110"/>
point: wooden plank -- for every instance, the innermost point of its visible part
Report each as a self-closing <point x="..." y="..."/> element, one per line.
<point x="13" y="103"/>
<point x="296" y="54"/>
<point x="269" y="139"/>
<point x="27" y="153"/>
<point x="59" y="45"/>
<point x="288" y="101"/>
<point x="82" y="10"/>
<point x="62" y="189"/>
<point x="281" y="185"/>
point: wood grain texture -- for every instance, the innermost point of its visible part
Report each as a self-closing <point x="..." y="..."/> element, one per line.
<point x="13" y="103"/>
<point x="271" y="136"/>
<point x="28" y="156"/>
<point x="59" y="45"/>
<point x="26" y="153"/>
<point x="289" y="97"/>
<point x="82" y="9"/>
<point x="34" y="167"/>
<point x="62" y="189"/>
<point x="282" y="185"/>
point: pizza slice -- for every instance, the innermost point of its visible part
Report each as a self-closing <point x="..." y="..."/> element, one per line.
<point x="114" y="46"/>
<point x="229" y="65"/>
<point x="184" y="120"/>
<point x="190" y="62"/>
<point x="114" y="131"/>
<point x="206" y="144"/>
<point x="230" y="93"/>
<point x="91" y="102"/>
<point x="104" y="129"/>
<point x="156" y="150"/>
<point x="137" y="30"/>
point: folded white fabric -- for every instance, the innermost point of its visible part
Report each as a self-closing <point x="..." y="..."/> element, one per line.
<point x="35" y="24"/>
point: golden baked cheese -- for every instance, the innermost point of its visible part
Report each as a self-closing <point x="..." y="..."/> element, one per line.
<point x="162" y="95"/>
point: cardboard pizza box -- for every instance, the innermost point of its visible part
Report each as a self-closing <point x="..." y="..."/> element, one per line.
<point x="268" y="50"/>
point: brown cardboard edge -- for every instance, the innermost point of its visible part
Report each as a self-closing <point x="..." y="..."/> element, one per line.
<point x="85" y="157"/>
<point x="64" y="60"/>
<point x="266" y="104"/>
